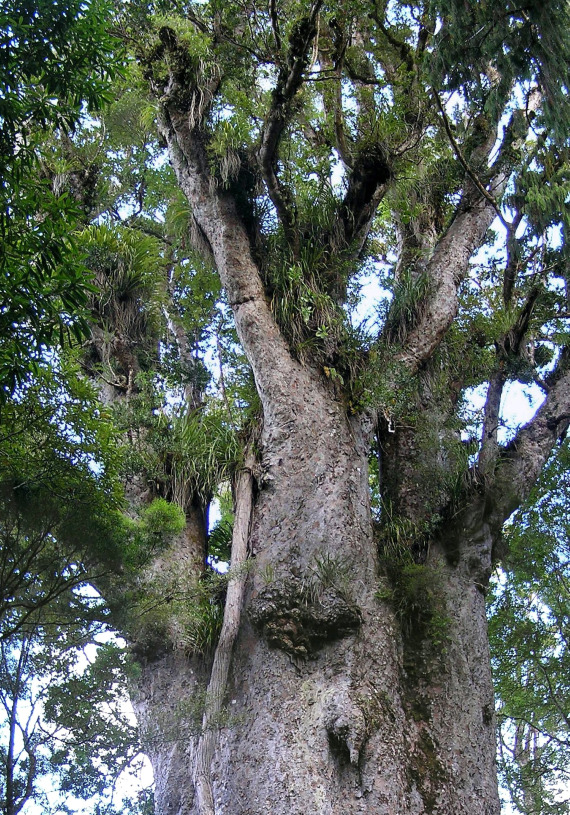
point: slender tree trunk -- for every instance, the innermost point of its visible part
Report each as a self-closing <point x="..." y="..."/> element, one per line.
<point x="222" y="658"/>
<point x="10" y="760"/>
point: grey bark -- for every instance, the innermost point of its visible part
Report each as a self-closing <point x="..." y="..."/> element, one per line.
<point x="168" y="702"/>
<point x="340" y="698"/>
<point x="340" y="713"/>
<point x="329" y="708"/>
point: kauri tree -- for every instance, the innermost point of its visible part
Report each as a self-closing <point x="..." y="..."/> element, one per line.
<point x="343" y="666"/>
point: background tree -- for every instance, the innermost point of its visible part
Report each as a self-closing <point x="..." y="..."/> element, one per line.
<point x="529" y="642"/>
<point x="69" y="742"/>
<point x="59" y="495"/>
<point x="65" y="718"/>
<point x="56" y="61"/>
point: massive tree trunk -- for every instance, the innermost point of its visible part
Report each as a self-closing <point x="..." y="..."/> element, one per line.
<point x="345" y="694"/>
<point x="353" y="687"/>
<point x="338" y="709"/>
<point x="340" y="699"/>
<point x="360" y="673"/>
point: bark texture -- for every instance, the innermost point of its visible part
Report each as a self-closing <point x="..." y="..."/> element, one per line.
<point x="344" y="714"/>
<point x="335" y="703"/>
<point x="168" y="700"/>
<point x="360" y="675"/>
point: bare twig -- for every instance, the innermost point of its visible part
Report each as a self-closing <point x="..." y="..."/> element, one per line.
<point x="457" y="150"/>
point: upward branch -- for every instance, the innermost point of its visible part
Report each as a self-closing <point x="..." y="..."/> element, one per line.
<point x="447" y="268"/>
<point x="217" y="217"/>
<point x="215" y="211"/>
<point x="289" y="81"/>
<point x="479" y="206"/>
<point x="523" y="459"/>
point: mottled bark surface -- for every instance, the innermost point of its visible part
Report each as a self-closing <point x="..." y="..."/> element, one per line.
<point x="360" y="679"/>
<point x="168" y="699"/>
<point x="334" y="704"/>
<point x="348" y="715"/>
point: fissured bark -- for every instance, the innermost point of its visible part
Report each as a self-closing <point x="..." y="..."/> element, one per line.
<point x="341" y="698"/>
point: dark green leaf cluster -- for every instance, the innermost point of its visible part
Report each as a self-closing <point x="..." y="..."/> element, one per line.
<point x="482" y="48"/>
<point x="59" y="495"/>
<point x="56" y="60"/>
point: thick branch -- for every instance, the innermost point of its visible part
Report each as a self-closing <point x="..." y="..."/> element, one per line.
<point x="214" y="210"/>
<point x="523" y="459"/>
<point x="446" y="269"/>
<point x="289" y="81"/>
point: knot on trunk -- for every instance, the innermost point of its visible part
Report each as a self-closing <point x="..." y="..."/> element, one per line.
<point x="346" y="726"/>
<point x="298" y="619"/>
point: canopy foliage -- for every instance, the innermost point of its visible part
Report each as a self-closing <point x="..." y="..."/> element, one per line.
<point x="56" y="62"/>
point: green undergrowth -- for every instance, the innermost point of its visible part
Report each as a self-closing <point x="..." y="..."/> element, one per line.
<point x="416" y="593"/>
<point x="170" y="611"/>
